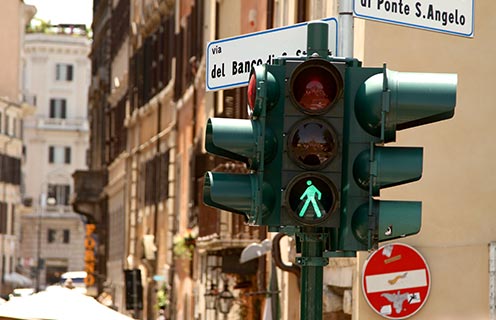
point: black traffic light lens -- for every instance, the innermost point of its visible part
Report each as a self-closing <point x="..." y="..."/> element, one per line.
<point x="312" y="144"/>
<point x="315" y="86"/>
<point x="311" y="198"/>
<point x="252" y="91"/>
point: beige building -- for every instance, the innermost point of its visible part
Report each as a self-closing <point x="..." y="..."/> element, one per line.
<point x="458" y="225"/>
<point x="14" y="104"/>
<point x="57" y="73"/>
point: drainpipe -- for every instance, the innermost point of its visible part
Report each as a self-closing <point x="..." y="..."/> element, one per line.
<point x="492" y="280"/>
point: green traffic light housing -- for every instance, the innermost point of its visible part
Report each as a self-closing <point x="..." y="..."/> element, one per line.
<point x="391" y="101"/>
<point x="254" y="142"/>
<point x="384" y="167"/>
<point x="237" y="139"/>
<point x="313" y="136"/>
<point x="378" y="103"/>
<point x="386" y="220"/>
<point x="235" y="193"/>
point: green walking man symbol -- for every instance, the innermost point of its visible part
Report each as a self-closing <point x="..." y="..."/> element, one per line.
<point x="310" y="193"/>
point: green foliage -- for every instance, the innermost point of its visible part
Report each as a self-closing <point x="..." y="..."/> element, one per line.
<point x="38" y="25"/>
<point x="184" y="244"/>
<point x="162" y="298"/>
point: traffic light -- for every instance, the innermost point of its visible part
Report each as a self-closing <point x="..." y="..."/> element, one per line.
<point x="378" y="102"/>
<point x="313" y="123"/>
<point x="255" y="142"/>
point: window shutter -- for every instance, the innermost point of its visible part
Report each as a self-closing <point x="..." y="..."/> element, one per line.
<point x="51" y="154"/>
<point x="51" y="191"/>
<point x="63" y="108"/>
<point x="67" y="192"/>
<point x="67" y="155"/>
<point x="57" y="72"/>
<point x="51" y="235"/>
<point x="52" y="108"/>
<point x="69" y="72"/>
<point x="67" y="235"/>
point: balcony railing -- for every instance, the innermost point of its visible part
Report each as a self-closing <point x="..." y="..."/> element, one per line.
<point x="80" y="124"/>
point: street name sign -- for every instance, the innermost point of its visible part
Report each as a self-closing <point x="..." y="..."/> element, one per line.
<point x="448" y="16"/>
<point x="396" y="281"/>
<point x="229" y="61"/>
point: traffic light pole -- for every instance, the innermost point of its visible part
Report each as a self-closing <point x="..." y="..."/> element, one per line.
<point x="345" y="44"/>
<point x="313" y="239"/>
<point x="312" y="265"/>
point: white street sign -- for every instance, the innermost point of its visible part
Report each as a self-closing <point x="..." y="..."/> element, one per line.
<point x="447" y="16"/>
<point x="229" y="61"/>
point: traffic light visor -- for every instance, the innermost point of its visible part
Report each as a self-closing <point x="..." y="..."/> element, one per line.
<point x="263" y="90"/>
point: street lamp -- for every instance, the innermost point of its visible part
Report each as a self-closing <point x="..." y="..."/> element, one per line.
<point x="211" y="297"/>
<point x="225" y="300"/>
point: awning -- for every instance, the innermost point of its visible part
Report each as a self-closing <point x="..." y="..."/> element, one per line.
<point x="58" y="303"/>
<point x="18" y="279"/>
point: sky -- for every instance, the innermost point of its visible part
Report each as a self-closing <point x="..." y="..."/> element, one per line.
<point x="64" y="11"/>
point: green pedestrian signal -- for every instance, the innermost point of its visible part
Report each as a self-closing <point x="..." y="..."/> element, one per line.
<point x="309" y="195"/>
<point x="312" y="199"/>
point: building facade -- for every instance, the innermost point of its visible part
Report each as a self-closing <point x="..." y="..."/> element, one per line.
<point x="57" y="73"/>
<point x="14" y="105"/>
<point x="148" y="109"/>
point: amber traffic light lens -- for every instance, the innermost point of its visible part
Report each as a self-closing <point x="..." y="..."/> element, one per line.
<point x="312" y="144"/>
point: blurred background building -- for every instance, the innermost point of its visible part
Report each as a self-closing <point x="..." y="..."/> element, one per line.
<point x="56" y="71"/>
<point x="14" y="105"/>
<point x="157" y="247"/>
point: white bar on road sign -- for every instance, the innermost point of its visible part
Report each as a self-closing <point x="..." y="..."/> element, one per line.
<point x="447" y="16"/>
<point x="229" y="61"/>
<point x="396" y="280"/>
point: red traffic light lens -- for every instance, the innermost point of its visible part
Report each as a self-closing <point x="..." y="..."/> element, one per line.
<point x="312" y="144"/>
<point x="252" y="91"/>
<point x="315" y="86"/>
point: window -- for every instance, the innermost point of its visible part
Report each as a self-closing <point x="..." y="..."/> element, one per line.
<point x="58" y="108"/>
<point x="67" y="236"/>
<point x="53" y="272"/>
<point x="64" y="72"/>
<point x="7" y="124"/>
<point x="3" y="218"/>
<point x="11" y="126"/>
<point x="60" y="192"/>
<point x="54" y="236"/>
<point x="51" y="235"/>
<point x="59" y="154"/>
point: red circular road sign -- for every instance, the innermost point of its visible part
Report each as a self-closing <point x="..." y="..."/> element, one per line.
<point x="396" y="281"/>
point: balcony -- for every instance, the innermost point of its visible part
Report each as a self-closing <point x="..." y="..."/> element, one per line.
<point x="87" y="199"/>
<point x="71" y="124"/>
